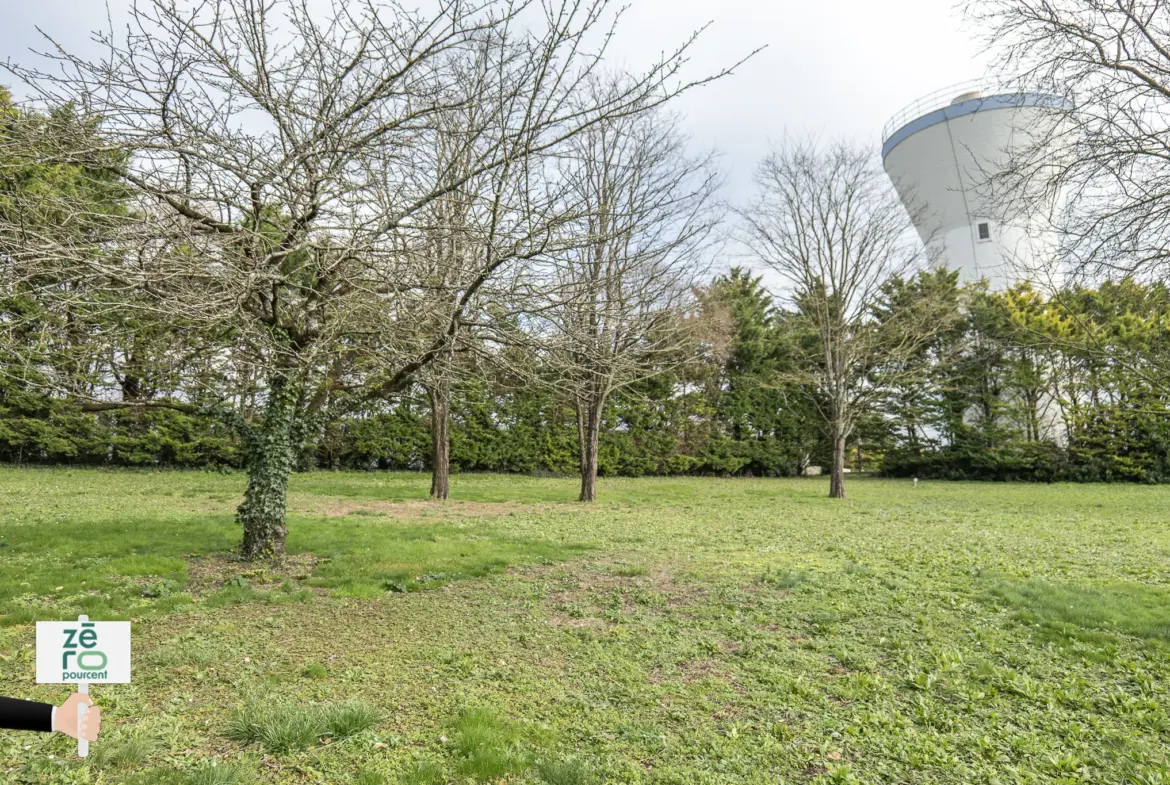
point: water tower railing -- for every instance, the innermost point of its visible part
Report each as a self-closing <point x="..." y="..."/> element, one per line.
<point x="939" y="99"/>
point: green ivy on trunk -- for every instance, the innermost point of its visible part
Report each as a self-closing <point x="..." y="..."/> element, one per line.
<point x="272" y="448"/>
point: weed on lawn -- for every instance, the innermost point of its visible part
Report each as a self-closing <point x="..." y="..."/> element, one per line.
<point x="284" y="727"/>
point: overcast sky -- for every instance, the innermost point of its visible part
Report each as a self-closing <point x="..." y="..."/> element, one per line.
<point x="832" y="67"/>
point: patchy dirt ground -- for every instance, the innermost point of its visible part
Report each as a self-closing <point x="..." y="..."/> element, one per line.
<point x="597" y="582"/>
<point x="413" y="510"/>
<point x="211" y="572"/>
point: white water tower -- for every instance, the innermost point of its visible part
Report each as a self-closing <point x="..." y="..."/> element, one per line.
<point x="940" y="153"/>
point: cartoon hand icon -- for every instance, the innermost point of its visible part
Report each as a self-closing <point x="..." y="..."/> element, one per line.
<point x="65" y="718"/>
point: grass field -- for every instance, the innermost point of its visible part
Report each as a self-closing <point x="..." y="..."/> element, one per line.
<point x="681" y="631"/>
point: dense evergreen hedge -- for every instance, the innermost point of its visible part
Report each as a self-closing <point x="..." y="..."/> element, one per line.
<point x="1025" y="388"/>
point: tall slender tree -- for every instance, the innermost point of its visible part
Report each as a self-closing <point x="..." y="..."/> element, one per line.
<point x="645" y="213"/>
<point x="829" y="224"/>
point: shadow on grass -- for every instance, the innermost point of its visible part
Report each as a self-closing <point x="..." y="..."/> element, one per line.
<point x="1083" y="613"/>
<point x="359" y="556"/>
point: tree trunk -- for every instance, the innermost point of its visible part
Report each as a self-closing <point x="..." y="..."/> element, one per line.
<point x="837" y="482"/>
<point x="440" y="395"/>
<point x="588" y="436"/>
<point x="131" y="388"/>
<point x="272" y="452"/>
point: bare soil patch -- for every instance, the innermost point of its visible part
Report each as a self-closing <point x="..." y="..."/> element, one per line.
<point x="690" y="672"/>
<point x="566" y="622"/>
<point x="418" y="509"/>
<point x="697" y="670"/>
<point x="586" y="583"/>
<point x="211" y="572"/>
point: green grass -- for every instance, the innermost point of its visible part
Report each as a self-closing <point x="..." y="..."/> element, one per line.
<point x="278" y="727"/>
<point x="572" y="771"/>
<point x="780" y="578"/>
<point x="115" y="544"/>
<point x="488" y="745"/>
<point x="427" y="772"/>
<point x="681" y="631"/>
<point x="630" y="570"/>
<point x="370" y="777"/>
<point x="1132" y="608"/>
<point x="282" y="727"/>
<point x="348" y="719"/>
<point x="316" y="670"/>
<point x="121" y="752"/>
<point x="204" y="773"/>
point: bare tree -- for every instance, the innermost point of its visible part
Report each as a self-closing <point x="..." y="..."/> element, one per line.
<point x="451" y="247"/>
<point x="829" y="224"/>
<point x="646" y="212"/>
<point x="271" y="154"/>
<point x="1108" y="162"/>
<point x="495" y="220"/>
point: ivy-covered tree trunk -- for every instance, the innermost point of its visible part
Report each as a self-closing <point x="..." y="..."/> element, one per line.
<point x="588" y="438"/>
<point x="440" y="395"/>
<point x="273" y="447"/>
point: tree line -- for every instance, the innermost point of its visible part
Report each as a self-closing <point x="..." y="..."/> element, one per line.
<point x="1022" y="386"/>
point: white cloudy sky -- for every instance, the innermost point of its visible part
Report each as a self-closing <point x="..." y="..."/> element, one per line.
<point x="832" y="67"/>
